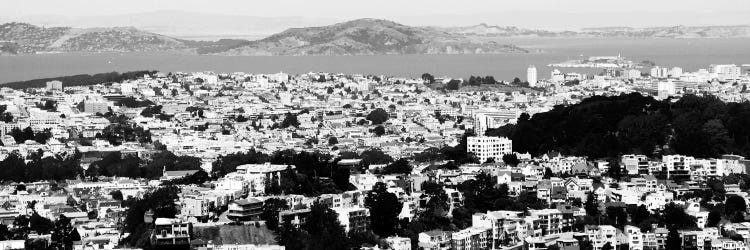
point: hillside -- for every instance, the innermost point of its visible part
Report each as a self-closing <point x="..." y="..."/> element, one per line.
<point x="29" y="38"/>
<point x="672" y="32"/>
<point x="503" y="31"/>
<point x="356" y="37"/>
<point x="235" y="234"/>
<point x="368" y="37"/>
<point x="609" y="126"/>
<point x="651" y="32"/>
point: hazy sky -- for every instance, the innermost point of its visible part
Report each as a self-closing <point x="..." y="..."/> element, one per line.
<point x="422" y="12"/>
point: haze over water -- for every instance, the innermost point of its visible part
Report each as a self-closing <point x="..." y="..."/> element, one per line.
<point x="690" y="54"/>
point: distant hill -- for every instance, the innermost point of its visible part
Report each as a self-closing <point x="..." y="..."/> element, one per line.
<point x="30" y="39"/>
<point x="368" y="37"/>
<point x="651" y="32"/>
<point x="672" y="32"/>
<point x="503" y="31"/>
<point x="356" y="37"/>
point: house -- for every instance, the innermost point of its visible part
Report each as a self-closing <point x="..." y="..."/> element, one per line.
<point x="176" y="174"/>
<point x="435" y="240"/>
<point x="472" y="238"/>
<point x="170" y="232"/>
<point x="354" y="219"/>
<point x="245" y="210"/>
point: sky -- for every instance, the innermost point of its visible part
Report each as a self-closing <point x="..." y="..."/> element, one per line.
<point x="556" y="14"/>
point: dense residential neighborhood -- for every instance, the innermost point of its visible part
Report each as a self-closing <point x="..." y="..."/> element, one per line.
<point x="625" y="159"/>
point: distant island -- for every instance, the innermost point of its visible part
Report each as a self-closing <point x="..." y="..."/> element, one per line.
<point x="484" y="30"/>
<point x="357" y="37"/>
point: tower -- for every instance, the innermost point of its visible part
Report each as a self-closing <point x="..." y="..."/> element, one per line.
<point x="531" y="76"/>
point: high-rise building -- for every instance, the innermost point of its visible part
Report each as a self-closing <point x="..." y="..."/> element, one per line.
<point x="493" y="119"/>
<point x="659" y="72"/>
<point x="531" y="76"/>
<point x="726" y="71"/>
<point x="486" y="147"/>
<point x="54" y="86"/>
<point x="676" y="72"/>
<point x="666" y="89"/>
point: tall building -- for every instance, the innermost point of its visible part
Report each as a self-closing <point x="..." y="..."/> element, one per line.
<point x="531" y="76"/>
<point x="726" y="71"/>
<point x="485" y="147"/>
<point x="54" y="86"/>
<point x="675" y="72"/>
<point x="95" y="107"/>
<point x="493" y="119"/>
<point x="659" y="72"/>
<point x="666" y="89"/>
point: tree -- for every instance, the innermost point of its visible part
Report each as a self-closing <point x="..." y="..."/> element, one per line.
<point x="384" y="209"/>
<point x="428" y="155"/>
<point x="43" y="137"/>
<point x="608" y="246"/>
<point x="547" y="173"/>
<point x="116" y="195"/>
<point x="333" y="141"/>
<point x="675" y="217"/>
<point x="400" y="166"/>
<point x="428" y="78"/>
<point x="614" y="171"/>
<point x="28" y="133"/>
<point x="375" y="156"/>
<point x="324" y="229"/>
<point x="714" y="217"/>
<point x="290" y="120"/>
<point x="511" y="159"/>
<point x="379" y="130"/>
<point x="617" y="215"/>
<point x="591" y="205"/>
<point x="673" y="239"/>
<point x="271" y="209"/>
<point x="64" y="234"/>
<point x="378" y="116"/>
<point x="453" y="85"/>
<point x="638" y="214"/>
<point x="735" y="208"/>
<point x="437" y="203"/>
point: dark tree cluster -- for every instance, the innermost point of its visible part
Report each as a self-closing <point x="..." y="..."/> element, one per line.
<point x="115" y="164"/>
<point x="609" y="126"/>
<point x="428" y="78"/>
<point x="49" y="105"/>
<point x="378" y="116"/>
<point x="478" y="80"/>
<point x="160" y="202"/>
<point x="5" y="116"/>
<point x="290" y="120"/>
<point x="131" y="102"/>
<point x="62" y="232"/>
<point x="400" y="166"/>
<point x="81" y="80"/>
<point x="117" y="133"/>
<point x="59" y="167"/>
<point x="321" y="231"/>
<point x="313" y="174"/>
<point x="20" y="136"/>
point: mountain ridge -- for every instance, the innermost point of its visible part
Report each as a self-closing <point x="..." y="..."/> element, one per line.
<point x="365" y="36"/>
<point x="357" y="37"/>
